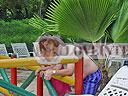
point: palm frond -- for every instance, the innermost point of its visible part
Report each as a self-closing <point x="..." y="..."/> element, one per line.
<point x="43" y="25"/>
<point x="78" y="19"/>
<point x="120" y="29"/>
<point x="86" y="19"/>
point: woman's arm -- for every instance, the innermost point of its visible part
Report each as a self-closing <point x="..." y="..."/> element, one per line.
<point x="57" y="67"/>
<point x="65" y="72"/>
<point x="44" y="68"/>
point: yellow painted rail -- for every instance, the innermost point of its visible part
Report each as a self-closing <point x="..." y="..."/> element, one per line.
<point x="23" y="62"/>
<point x="5" y="92"/>
<point x="32" y="64"/>
<point x="67" y="79"/>
<point x="20" y="62"/>
<point x="4" y="57"/>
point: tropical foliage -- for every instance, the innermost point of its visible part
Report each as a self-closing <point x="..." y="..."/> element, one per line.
<point x="79" y="19"/>
<point x="18" y="32"/>
<point x="21" y="9"/>
<point x="120" y="30"/>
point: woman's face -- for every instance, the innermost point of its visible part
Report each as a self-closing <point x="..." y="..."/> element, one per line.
<point x="49" y="46"/>
<point x="50" y="49"/>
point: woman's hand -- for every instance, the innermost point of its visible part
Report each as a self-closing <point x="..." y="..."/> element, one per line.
<point x="40" y="70"/>
<point x="43" y="68"/>
<point x="48" y="74"/>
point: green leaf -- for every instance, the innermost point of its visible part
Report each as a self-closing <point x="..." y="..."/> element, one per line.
<point x="79" y="19"/>
<point x="85" y="19"/>
<point x="120" y="29"/>
<point x="37" y="22"/>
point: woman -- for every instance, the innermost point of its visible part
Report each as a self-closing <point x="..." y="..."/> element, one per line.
<point x="92" y="74"/>
<point x="49" y="49"/>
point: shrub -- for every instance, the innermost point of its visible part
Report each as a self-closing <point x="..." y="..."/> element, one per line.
<point x="18" y="32"/>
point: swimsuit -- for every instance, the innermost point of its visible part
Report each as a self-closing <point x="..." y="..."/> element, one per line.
<point x="91" y="83"/>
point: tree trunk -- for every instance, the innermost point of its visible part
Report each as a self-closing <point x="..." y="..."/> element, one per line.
<point x="27" y="14"/>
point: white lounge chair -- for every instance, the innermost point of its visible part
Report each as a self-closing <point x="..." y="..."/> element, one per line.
<point x="20" y="49"/>
<point x="3" y="50"/>
<point x="118" y="85"/>
<point x="110" y="58"/>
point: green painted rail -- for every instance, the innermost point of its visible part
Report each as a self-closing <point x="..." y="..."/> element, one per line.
<point x="15" y="89"/>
